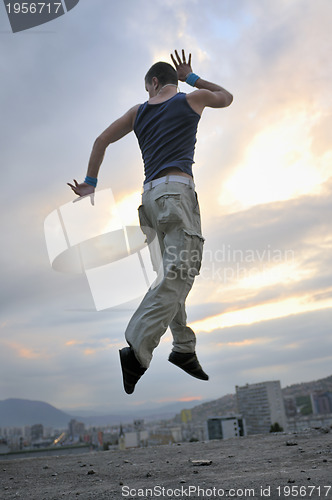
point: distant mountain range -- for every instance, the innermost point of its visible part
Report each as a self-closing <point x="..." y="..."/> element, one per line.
<point x="21" y="412"/>
<point x="322" y="385"/>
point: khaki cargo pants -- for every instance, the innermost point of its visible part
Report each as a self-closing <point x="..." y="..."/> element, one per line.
<point x="169" y="216"/>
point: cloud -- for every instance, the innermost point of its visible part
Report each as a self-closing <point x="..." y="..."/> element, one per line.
<point x="275" y="348"/>
<point x="270" y="261"/>
<point x="63" y="85"/>
<point x="281" y="83"/>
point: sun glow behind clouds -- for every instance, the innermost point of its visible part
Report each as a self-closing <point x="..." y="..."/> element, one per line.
<point x="121" y="212"/>
<point x="22" y="351"/>
<point x="262" y="312"/>
<point x="246" y="342"/>
<point x="266" y="277"/>
<point x="127" y="208"/>
<point x="278" y="165"/>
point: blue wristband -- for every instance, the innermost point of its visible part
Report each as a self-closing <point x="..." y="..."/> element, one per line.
<point x="192" y="79"/>
<point x="92" y="181"/>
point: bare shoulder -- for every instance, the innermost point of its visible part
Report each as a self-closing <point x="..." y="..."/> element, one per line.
<point x="130" y="115"/>
<point x="133" y="111"/>
<point x="201" y="98"/>
<point x="198" y="99"/>
<point x="120" y="127"/>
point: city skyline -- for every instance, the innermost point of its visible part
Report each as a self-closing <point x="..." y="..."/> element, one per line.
<point x="262" y="306"/>
<point x="299" y="400"/>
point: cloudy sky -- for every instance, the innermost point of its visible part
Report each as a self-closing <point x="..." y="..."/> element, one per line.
<point x="262" y="306"/>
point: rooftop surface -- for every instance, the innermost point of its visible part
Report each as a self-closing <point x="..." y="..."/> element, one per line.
<point x="275" y="466"/>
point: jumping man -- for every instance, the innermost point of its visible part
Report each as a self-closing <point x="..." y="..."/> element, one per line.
<point x="166" y="127"/>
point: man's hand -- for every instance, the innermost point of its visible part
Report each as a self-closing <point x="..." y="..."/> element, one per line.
<point x="182" y="67"/>
<point x="82" y="189"/>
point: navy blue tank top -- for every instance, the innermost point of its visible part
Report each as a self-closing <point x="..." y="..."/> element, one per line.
<point x="166" y="134"/>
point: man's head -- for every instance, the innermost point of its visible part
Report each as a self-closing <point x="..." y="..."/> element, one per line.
<point x="160" y="74"/>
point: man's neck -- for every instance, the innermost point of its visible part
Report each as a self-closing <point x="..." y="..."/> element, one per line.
<point x="166" y="92"/>
<point x="167" y="85"/>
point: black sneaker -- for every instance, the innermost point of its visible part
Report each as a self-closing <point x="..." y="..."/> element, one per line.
<point x="132" y="370"/>
<point x="189" y="363"/>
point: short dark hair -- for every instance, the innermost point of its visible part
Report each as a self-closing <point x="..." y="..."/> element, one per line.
<point x="164" y="72"/>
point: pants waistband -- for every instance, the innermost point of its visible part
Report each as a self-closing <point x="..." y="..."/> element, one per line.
<point x="168" y="178"/>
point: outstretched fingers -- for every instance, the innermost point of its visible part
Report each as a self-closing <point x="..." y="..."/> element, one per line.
<point x="182" y="67"/>
<point x="174" y="61"/>
<point x="74" y="188"/>
<point x="178" y="61"/>
<point x="178" y="57"/>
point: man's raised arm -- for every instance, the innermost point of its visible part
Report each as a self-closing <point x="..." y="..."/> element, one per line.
<point x="208" y="93"/>
<point x="118" y="129"/>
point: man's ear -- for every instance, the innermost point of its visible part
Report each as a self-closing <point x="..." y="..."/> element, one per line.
<point x="155" y="82"/>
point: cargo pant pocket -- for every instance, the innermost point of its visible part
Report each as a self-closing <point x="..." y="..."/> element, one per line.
<point x="184" y="253"/>
<point x="169" y="210"/>
<point x="145" y="224"/>
<point x="151" y="240"/>
<point x="193" y="252"/>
